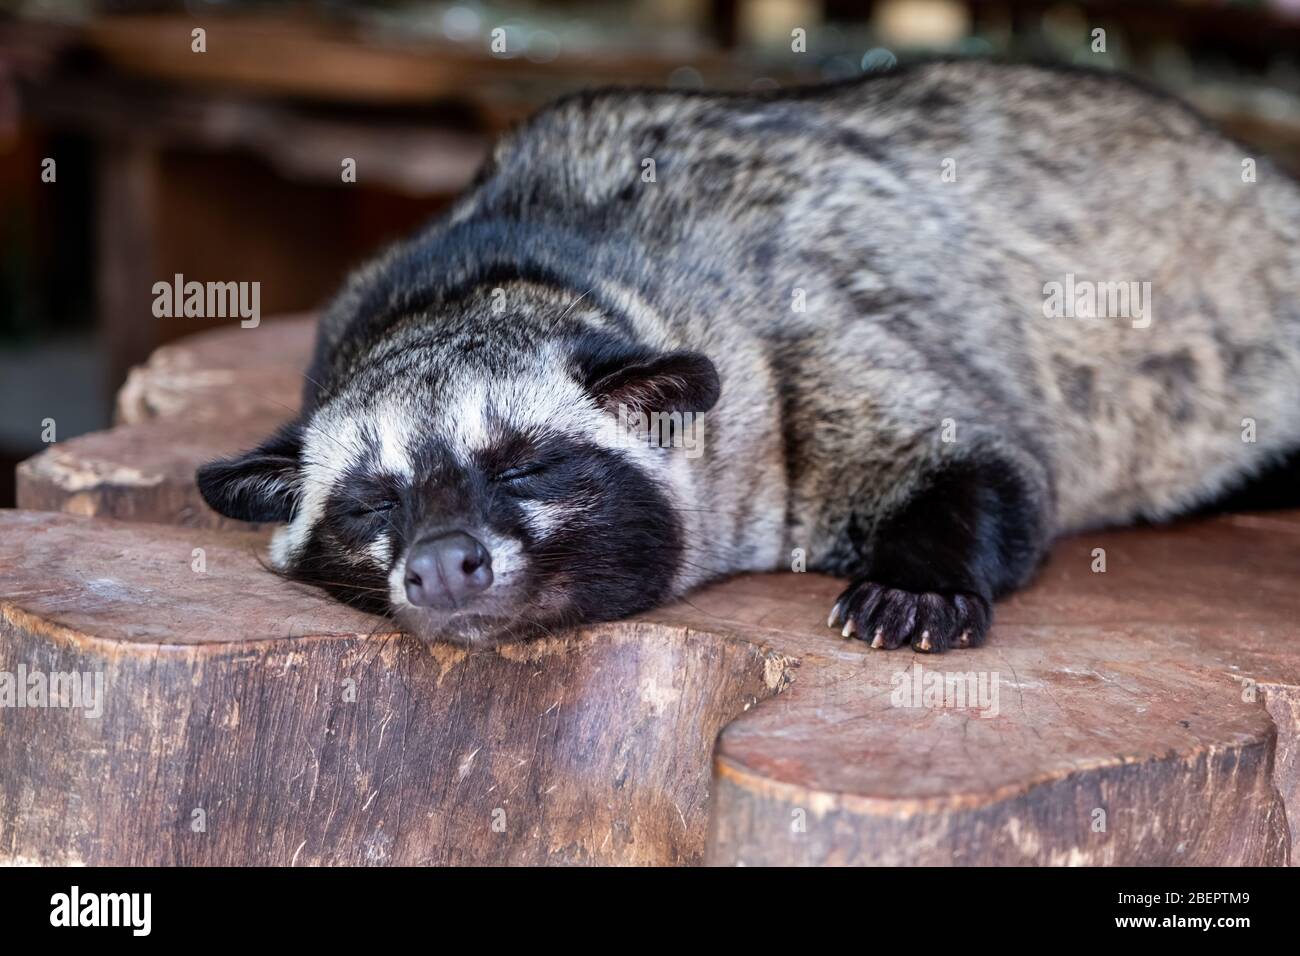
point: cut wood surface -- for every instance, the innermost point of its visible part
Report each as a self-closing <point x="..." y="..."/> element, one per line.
<point x="210" y="395"/>
<point x="222" y="375"/>
<point x="298" y="731"/>
<point x="142" y="472"/>
<point x="1143" y="716"/>
<point x="1147" y="714"/>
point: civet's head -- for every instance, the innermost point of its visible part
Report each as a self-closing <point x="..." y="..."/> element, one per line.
<point x="471" y="474"/>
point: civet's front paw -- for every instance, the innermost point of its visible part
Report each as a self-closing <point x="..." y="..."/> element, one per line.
<point x="889" y="617"/>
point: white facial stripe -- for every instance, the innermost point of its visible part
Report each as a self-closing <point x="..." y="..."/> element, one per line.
<point x="397" y="586"/>
<point x="330" y="445"/>
<point x="467" y="423"/>
<point x="507" y="556"/>
<point x="282" y="547"/>
<point x="290" y="540"/>
<point x="393" y="424"/>
<point x="539" y="401"/>
<point x="545" y="400"/>
<point x="544" y="518"/>
<point x="381" y="549"/>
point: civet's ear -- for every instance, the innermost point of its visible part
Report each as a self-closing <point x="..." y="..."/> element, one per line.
<point x="680" y="381"/>
<point x="260" y="485"/>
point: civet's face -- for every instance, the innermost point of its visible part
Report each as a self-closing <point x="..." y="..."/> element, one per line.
<point x="478" y="495"/>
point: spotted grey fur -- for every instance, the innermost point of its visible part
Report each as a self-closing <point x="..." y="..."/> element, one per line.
<point x="919" y="425"/>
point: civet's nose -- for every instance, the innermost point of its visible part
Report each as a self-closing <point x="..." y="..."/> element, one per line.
<point x="446" y="571"/>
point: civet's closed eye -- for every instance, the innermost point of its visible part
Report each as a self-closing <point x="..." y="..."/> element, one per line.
<point x="367" y="510"/>
<point x="520" y="472"/>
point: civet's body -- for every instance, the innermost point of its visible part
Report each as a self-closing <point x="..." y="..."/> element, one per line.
<point x="874" y="295"/>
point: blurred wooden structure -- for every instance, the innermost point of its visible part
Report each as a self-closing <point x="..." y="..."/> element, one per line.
<point x="192" y="150"/>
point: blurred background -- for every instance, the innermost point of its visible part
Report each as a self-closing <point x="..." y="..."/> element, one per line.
<point x="224" y="163"/>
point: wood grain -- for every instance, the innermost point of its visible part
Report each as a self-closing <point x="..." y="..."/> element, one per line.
<point x="224" y="375"/>
<point x="224" y="693"/>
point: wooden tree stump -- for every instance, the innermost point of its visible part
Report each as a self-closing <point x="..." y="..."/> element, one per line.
<point x="210" y="395"/>
<point x="224" y="375"/>
<point x="1160" y="699"/>
<point x="1149" y="714"/>
<point x="298" y="731"/>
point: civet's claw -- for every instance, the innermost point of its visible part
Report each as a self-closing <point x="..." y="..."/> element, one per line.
<point x="837" y="615"/>
<point x="928" y="622"/>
